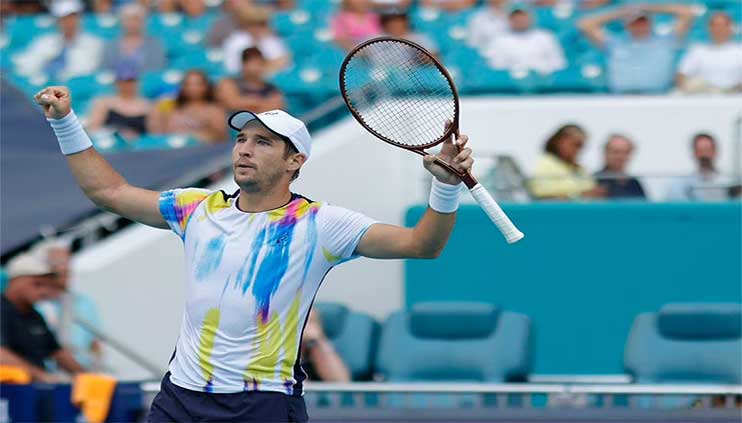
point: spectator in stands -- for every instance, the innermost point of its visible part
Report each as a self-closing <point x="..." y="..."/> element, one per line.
<point x="102" y="7"/>
<point x="356" y="22"/>
<point x="65" y="308"/>
<point x="557" y="174"/>
<point x="134" y="47"/>
<point x="716" y="66"/>
<point x="613" y="177"/>
<point x="193" y="112"/>
<point x="706" y="184"/>
<point x="396" y="23"/>
<point x="319" y="359"/>
<point x="25" y="340"/>
<point x="448" y="5"/>
<point x="488" y="23"/>
<point x="66" y="54"/>
<point x="226" y="23"/>
<point x="124" y="112"/>
<point x="644" y="62"/>
<point x="254" y="31"/>
<point x="166" y="6"/>
<point x="524" y="47"/>
<point x="250" y="91"/>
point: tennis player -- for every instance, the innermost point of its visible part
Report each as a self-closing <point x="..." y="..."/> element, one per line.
<point x="254" y="260"/>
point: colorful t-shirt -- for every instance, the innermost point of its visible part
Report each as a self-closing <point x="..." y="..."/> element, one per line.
<point x="250" y="281"/>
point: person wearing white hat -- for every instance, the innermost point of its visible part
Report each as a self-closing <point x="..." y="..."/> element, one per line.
<point x="25" y="340"/>
<point x="254" y="259"/>
<point x="64" y="54"/>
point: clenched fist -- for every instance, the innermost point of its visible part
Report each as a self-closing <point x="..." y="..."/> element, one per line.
<point x="55" y="101"/>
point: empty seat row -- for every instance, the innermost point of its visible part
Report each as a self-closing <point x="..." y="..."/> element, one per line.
<point x="479" y="342"/>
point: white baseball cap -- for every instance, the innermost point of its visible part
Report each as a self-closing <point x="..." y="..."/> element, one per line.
<point x="278" y="122"/>
<point x="28" y="264"/>
<point x="62" y="8"/>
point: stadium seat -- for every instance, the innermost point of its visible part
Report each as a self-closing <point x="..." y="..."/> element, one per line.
<point x="354" y="336"/>
<point x="104" y="26"/>
<point x="164" y="142"/>
<point x="455" y="342"/>
<point x="687" y="343"/>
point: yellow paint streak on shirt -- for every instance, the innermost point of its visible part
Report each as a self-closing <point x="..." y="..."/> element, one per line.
<point x="276" y="338"/>
<point x="216" y="202"/>
<point x="205" y="347"/>
<point x="329" y="256"/>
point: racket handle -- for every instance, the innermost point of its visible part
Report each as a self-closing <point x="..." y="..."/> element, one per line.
<point x="495" y="213"/>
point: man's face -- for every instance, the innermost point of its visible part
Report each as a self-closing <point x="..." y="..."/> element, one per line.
<point x="59" y="261"/>
<point x="720" y="28"/>
<point x="36" y="288"/>
<point x="69" y="24"/>
<point x="640" y="27"/>
<point x="253" y="68"/>
<point x="569" y="146"/>
<point x="617" y="154"/>
<point x="704" y="152"/>
<point x="520" y="21"/>
<point x="259" y="159"/>
<point x="133" y="24"/>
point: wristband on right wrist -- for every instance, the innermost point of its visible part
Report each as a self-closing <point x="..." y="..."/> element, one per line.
<point x="444" y="198"/>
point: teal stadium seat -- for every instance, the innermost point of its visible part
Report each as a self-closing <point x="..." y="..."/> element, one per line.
<point x="22" y="29"/>
<point x="160" y="84"/>
<point x="687" y="343"/>
<point x="354" y="336"/>
<point x="164" y="142"/>
<point x="104" y="26"/>
<point x="455" y="341"/>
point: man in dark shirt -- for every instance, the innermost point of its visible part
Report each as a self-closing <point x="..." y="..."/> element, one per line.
<point x="25" y="340"/>
<point x="613" y="177"/>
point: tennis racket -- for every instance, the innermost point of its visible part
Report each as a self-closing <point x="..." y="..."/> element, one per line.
<point x="401" y="94"/>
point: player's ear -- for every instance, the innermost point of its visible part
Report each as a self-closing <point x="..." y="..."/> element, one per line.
<point x="296" y="161"/>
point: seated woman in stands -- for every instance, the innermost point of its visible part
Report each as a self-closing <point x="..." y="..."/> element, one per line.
<point x="194" y="112"/>
<point x="557" y="174"/>
<point x="124" y="112"/>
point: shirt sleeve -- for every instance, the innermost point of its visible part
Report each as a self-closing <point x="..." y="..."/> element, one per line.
<point x="341" y="231"/>
<point x="689" y="64"/>
<point x="176" y="207"/>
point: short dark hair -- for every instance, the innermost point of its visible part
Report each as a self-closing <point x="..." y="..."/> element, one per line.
<point x="701" y="135"/>
<point x="551" y="143"/>
<point x="252" y="53"/>
<point x="391" y="15"/>
<point x="290" y="149"/>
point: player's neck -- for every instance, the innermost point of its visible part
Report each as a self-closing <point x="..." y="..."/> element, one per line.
<point x="256" y="202"/>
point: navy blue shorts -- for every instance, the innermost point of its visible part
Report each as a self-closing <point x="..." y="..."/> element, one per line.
<point x="176" y="404"/>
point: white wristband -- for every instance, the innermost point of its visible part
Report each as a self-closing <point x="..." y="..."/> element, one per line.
<point x="70" y="135"/>
<point x="444" y="198"/>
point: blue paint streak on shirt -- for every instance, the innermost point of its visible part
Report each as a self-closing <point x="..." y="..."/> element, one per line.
<point x="274" y="265"/>
<point x="211" y="258"/>
<point x="257" y="246"/>
<point x="311" y="243"/>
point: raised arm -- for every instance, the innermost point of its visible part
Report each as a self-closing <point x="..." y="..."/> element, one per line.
<point x="9" y="358"/>
<point x="429" y="236"/>
<point x="592" y="26"/>
<point x="98" y="180"/>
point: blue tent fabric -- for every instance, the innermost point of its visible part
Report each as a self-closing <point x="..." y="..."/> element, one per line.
<point x="36" y="186"/>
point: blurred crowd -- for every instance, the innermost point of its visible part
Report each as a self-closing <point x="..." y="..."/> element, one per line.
<point x="640" y="56"/>
<point x="559" y="176"/>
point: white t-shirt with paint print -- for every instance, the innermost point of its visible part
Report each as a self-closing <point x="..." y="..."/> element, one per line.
<point x="250" y="281"/>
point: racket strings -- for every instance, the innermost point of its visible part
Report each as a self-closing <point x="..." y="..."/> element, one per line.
<point x="399" y="92"/>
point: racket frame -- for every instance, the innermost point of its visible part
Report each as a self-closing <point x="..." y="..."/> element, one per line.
<point x="452" y="129"/>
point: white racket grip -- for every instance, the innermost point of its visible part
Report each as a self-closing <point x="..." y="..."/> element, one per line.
<point x="493" y="210"/>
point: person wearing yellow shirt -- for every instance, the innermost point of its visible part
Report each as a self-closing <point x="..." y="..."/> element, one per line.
<point x="557" y="174"/>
